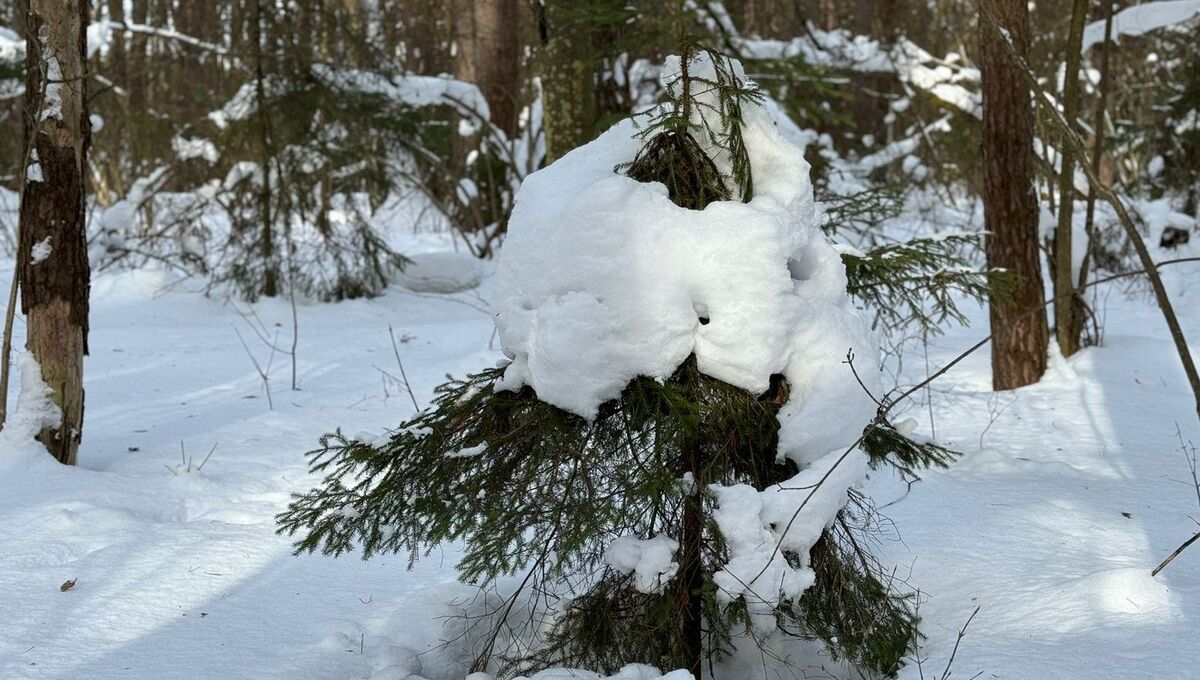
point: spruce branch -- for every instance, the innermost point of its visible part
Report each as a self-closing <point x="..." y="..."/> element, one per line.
<point x="917" y="281"/>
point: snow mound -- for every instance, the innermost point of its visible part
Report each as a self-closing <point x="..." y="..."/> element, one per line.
<point x="35" y="411"/>
<point x="444" y="272"/>
<point x="603" y="279"/>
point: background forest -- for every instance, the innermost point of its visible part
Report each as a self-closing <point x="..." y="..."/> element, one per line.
<point x="356" y="107"/>
<point x="250" y="229"/>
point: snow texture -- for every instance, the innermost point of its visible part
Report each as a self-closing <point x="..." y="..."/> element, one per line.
<point x="761" y="526"/>
<point x="188" y="148"/>
<point x="408" y="89"/>
<point x="652" y="562"/>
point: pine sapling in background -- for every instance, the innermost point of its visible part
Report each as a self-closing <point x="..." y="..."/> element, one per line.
<point x="666" y="460"/>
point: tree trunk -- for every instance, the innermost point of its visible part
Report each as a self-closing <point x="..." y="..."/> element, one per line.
<point x="270" y="286"/>
<point x="1068" y="312"/>
<point x="690" y="596"/>
<point x="568" y="78"/>
<point x="771" y="19"/>
<point x="52" y="253"/>
<point x="1093" y="245"/>
<point x="485" y="32"/>
<point x="1019" y="330"/>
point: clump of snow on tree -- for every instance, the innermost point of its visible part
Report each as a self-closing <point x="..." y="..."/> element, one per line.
<point x="755" y="522"/>
<point x="604" y="279"/>
<point x="41" y="250"/>
<point x="651" y="561"/>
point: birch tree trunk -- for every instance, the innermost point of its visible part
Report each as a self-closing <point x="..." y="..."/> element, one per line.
<point x="1019" y="329"/>
<point x="52" y="253"/>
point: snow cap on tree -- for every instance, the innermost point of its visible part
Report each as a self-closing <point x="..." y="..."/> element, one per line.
<point x="604" y="279"/>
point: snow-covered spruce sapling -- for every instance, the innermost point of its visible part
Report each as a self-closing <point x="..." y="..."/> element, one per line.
<point x="666" y="460"/>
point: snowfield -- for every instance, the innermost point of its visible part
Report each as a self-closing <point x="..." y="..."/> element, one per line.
<point x="1069" y="493"/>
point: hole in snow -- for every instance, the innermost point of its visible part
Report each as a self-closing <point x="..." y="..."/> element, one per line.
<point x="701" y="312"/>
<point x="799" y="269"/>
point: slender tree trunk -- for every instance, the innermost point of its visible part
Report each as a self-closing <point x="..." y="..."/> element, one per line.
<point x="1067" y="308"/>
<point x="829" y="14"/>
<point x="1021" y="335"/>
<point x="1093" y="245"/>
<point x="270" y="286"/>
<point x="52" y="253"/>
<point x="691" y="581"/>
<point x="488" y="44"/>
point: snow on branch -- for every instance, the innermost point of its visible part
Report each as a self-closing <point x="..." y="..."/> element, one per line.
<point x="99" y="35"/>
<point x="407" y="89"/>
<point x="1142" y="19"/>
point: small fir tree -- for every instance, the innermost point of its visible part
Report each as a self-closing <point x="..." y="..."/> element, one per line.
<point x="614" y="518"/>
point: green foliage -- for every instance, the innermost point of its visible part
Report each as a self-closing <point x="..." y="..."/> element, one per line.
<point x="915" y="282"/>
<point x="526" y="485"/>
<point x="1179" y="139"/>
<point x="676" y="159"/>
<point x="676" y="130"/>
<point x="612" y="625"/>
<point x="540" y="465"/>
<point x="859" y="212"/>
<point x="529" y="487"/>
<point x="886" y="446"/>
<point x="853" y="601"/>
<point x="10" y="70"/>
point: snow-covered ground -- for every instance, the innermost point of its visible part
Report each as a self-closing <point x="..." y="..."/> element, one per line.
<point x="1069" y="493"/>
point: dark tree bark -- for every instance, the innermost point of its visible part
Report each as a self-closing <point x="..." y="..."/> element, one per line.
<point x="771" y="19"/>
<point x="488" y="43"/>
<point x="266" y="244"/>
<point x="52" y="253"/>
<point x="1019" y="329"/>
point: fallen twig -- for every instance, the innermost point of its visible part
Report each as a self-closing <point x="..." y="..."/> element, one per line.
<point x="1175" y="554"/>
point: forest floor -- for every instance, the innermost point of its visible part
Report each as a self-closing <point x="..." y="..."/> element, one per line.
<point x="1068" y="494"/>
